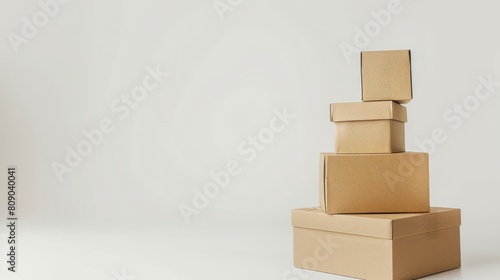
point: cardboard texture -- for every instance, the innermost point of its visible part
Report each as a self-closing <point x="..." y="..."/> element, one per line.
<point x="386" y="75"/>
<point x="377" y="246"/>
<point x="374" y="183"/>
<point x="369" y="127"/>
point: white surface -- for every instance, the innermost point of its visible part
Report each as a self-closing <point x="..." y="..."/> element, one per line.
<point x="118" y="209"/>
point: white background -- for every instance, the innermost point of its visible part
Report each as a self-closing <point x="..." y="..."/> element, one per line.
<point x="116" y="215"/>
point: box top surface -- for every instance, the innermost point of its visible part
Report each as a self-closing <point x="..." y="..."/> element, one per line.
<point x="386" y="226"/>
<point x="323" y="154"/>
<point x="362" y="111"/>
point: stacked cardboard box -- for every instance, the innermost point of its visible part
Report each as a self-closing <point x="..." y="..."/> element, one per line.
<point x="375" y="220"/>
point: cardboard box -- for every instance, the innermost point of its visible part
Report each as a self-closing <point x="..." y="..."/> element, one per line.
<point x="377" y="246"/>
<point x="374" y="183"/>
<point x="369" y="127"/>
<point x="386" y="75"/>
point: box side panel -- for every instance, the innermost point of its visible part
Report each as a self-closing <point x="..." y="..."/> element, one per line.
<point x="425" y="254"/>
<point x="331" y="111"/>
<point x="363" y="136"/>
<point x="343" y="254"/>
<point x="378" y="183"/>
<point x="397" y="137"/>
<point x="411" y="80"/>
<point x="322" y="189"/>
<point x="362" y="79"/>
<point x="399" y="112"/>
<point x="386" y="75"/>
<point x="403" y="92"/>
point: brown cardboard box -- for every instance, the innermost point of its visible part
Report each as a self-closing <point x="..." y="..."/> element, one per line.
<point x="386" y="75"/>
<point x="369" y="127"/>
<point x="374" y="183"/>
<point x="377" y="246"/>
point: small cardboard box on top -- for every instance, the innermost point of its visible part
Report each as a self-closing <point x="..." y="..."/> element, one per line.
<point x="386" y="75"/>
<point x="374" y="183"/>
<point x="377" y="246"/>
<point x="369" y="127"/>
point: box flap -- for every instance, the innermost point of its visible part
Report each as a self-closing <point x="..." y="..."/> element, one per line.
<point x="322" y="185"/>
<point x="362" y="111"/>
<point x="386" y="226"/>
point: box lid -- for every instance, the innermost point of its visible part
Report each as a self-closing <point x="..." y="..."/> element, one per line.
<point x="362" y="111"/>
<point x="385" y="226"/>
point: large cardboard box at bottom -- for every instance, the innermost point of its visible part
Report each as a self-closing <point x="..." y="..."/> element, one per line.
<point x="377" y="246"/>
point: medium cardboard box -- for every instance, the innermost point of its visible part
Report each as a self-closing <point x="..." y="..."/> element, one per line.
<point x="377" y="246"/>
<point x="386" y="75"/>
<point x="369" y="127"/>
<point x="374" y="183"/>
